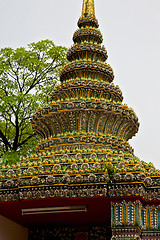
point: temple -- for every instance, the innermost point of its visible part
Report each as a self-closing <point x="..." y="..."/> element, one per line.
<point x="84" y="181"/>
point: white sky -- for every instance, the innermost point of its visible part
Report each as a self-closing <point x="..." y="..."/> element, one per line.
<point x="131" y="30"/>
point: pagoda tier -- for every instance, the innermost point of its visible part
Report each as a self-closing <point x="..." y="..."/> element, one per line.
<point x="84" y="131"/>
<point x="86" y="101"/>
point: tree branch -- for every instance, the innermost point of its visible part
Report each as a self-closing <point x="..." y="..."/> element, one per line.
<point x="5" y="141"/>
<point x="41" y="75"/>
<point x="15" y="143"/>
<point x="16" y="74"/>
<point x="26" y="140"/>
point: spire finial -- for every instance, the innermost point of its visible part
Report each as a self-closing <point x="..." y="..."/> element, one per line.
<point x="88" y="8"/>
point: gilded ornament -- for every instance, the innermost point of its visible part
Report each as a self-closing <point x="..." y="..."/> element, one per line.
<point x="88" y="8"/>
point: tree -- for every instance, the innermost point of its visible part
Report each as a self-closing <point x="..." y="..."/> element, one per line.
<point x="27" y="77"/>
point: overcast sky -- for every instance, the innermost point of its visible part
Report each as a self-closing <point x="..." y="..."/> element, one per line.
<point x="131" y="31"/>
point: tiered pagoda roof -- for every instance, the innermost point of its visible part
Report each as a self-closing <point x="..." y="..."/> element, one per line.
<point x="84" y="150"/>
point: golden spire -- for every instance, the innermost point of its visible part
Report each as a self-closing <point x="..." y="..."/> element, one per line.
<point x="88" y="8"/>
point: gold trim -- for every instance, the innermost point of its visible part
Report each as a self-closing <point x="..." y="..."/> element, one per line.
<point x="61" y="184"/>
<point x="88" y="8"/>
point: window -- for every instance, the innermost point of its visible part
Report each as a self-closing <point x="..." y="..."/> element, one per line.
<point x="148" y="222"/>
<point x="119" y="213"/>
<point x="124" y="213"/>
<point x="112" y="213"/>
<point x="159" y="218"/>
<point x="130" y="213"/>
<point x="153" y="217"/>
<point x="142" y="217"/>
<point x="136" y="213"/>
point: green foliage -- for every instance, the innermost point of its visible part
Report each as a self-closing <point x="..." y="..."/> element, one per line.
<point x="10" y="157"/>
<point x="27" y="77"/>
